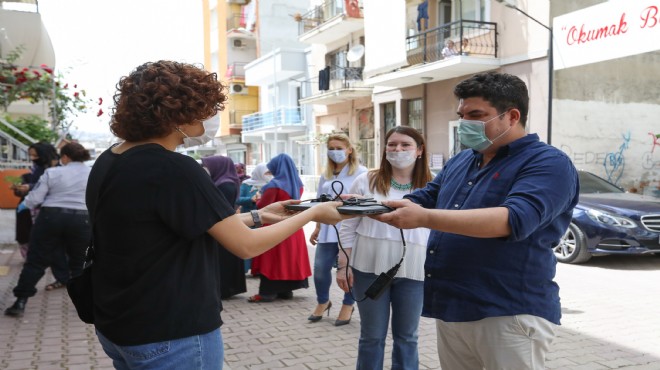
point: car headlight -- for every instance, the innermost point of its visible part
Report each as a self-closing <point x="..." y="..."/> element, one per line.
<point x="610" y="219"/>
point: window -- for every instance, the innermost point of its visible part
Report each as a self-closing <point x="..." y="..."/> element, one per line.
<point x="338" y="63"/>
<point x="416" y="114"/>
<point x="473" y="10"/>
<point x="366" y="132"/>
<point x="389" y="116"/>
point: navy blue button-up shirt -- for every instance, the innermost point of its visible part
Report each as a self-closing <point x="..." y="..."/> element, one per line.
<point x="467" y="278"/>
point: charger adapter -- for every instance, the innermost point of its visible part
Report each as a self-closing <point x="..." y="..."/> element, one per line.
<point x="377" y="288"/>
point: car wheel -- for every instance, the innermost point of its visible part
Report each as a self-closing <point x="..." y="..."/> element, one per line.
<point x="572" y="247"/>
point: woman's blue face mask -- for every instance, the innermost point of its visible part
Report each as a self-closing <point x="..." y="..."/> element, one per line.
<point x="472" y="133"/>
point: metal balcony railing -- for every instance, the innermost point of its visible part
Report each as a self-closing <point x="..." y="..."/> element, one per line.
<point x="235" y="20"/>
<point x="473" y="38"/>
<point x="272" y="119"/>
<point x="320" y="14"/>
<point x="236" y="116"/>
<point x="236" y="70"/>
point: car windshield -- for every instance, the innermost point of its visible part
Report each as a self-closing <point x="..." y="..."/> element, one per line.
<point x="590" y="183"/>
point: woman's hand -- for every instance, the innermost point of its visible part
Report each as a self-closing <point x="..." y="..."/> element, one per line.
<point x="256" y="197"/>
<point x="315" y="234"/>
<point x="344" y="283"/>
<point x="276" y="212"/>
<point x="326" y="213"/>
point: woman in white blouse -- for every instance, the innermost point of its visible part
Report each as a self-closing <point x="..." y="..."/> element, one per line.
<point x="376" y="247"/>
<point x="343" y="166"/>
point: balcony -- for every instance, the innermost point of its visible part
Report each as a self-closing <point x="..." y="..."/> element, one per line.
<point x="475" y="49"/>
<point x="330" y="21"/>
<point x="265" y="126"/>
<point x="344" y="84"/>
<point x="236" y="118"/>
<point x="236" y="71"/>
<point x="279" y="65"/>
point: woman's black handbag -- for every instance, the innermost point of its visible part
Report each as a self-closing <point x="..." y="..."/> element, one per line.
<point x="81" y="290"/>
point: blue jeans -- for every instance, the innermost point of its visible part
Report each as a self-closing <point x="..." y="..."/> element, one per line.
<point x="403" y="297"/>
<point x="197" y="352"/>
<point x="324" y="259"/>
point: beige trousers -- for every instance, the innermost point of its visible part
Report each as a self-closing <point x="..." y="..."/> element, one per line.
<point x="496" y="343"/>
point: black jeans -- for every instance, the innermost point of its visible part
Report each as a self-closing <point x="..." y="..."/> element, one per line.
<point x="58" y="234"/>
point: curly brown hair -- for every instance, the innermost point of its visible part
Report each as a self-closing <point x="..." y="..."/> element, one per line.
<point x="159" y="96"/>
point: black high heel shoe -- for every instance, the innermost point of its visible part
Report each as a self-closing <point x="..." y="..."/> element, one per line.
<point x="314" y="318"/>
<point x="345" y="322"/>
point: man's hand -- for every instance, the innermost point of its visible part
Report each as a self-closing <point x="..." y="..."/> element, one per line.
<point x="407" y="215"/>
<point x="276" y="212"/>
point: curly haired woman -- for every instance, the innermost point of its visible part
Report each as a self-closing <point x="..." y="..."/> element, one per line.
<point x="155" y="215"/>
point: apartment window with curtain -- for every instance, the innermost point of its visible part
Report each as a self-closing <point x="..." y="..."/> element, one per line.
<point x="473" y="10"/>
<point x="338" y="63"/>
<point x="389" y="116"/>
<point x="367" y="141"/>
<point x="416" y="114"/>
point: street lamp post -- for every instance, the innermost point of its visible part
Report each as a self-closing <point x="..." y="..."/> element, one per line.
<point x="511" y="4"/>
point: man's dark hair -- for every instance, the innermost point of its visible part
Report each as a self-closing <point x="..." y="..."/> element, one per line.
<point x="503" y="91"/>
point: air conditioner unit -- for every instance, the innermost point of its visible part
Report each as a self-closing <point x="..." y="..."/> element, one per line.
<point x="238" y="89"/>
<point x="242" y="2"/>
<point x="238" y="43"/>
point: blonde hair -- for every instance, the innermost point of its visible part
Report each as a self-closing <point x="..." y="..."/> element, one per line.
<point x="353" y="162"/>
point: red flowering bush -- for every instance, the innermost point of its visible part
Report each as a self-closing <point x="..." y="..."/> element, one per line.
<point x="42" y="84"/>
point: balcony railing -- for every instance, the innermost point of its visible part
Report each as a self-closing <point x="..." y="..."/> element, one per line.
<point x="272" y="119"/>
<point x="236" y="116"/>
<point x="236" y="70"/>
<point x="473" y="38"/>
<point x="320" y="14"/>
<point x="235" y="20"/>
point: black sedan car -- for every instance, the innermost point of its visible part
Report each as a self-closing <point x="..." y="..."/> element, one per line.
<point x="608" y="220"/>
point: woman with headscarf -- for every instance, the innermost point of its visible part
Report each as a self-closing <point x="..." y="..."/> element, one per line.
<point x="224" y="176"/>
<point x="240" y="170"/>
<point x="246" y="199"/>
<point x="43" y="156"/>
<point x="284" y="268"/>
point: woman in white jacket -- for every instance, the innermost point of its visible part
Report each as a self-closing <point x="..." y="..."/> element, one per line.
<point x="376" y="247"/>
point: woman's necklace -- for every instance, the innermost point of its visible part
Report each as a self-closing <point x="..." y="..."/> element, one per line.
<point x="402" y="187"/>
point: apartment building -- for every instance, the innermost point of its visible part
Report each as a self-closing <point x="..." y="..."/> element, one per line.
<point x="253" y="47"/>
<point x="385" y="65"/>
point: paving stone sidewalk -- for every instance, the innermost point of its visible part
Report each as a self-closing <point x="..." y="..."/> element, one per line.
<point x="611" y="319"/>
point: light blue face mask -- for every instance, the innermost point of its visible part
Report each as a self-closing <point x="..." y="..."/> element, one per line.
<point x="337" y="155"/>
<point x="472" y="133"/>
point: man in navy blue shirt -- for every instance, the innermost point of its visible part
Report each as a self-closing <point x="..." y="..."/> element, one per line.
<point x="496" y="211"/>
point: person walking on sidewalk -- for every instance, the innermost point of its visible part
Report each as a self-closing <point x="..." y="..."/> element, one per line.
<point x="496" y="212"/>
<point x="342" y="168"/>
<point x="376" y="248"/>
<point x="156" y="217"/>
<point x="61" y="231"/>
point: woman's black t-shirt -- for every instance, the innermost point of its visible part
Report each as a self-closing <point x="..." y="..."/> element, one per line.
<point x="155" y="272"/>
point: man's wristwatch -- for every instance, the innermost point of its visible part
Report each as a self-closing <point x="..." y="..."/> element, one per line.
<point x="255" y="218"/>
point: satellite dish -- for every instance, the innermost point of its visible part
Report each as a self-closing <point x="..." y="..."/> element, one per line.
<point x="355" y="53"/>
